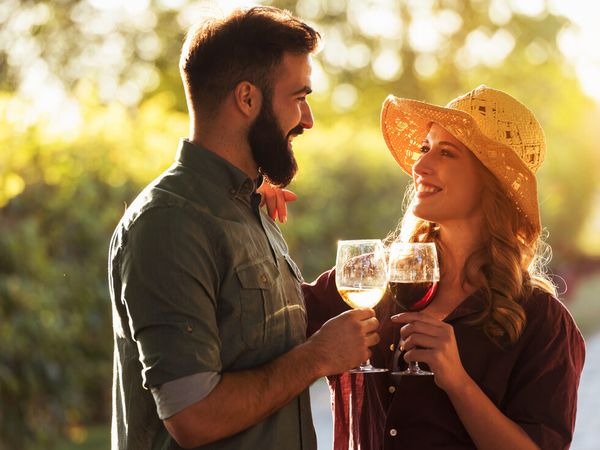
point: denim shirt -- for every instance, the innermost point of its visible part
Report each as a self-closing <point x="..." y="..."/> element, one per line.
<point x="201" y="281"/>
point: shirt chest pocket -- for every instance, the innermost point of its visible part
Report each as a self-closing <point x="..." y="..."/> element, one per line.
<point x="260" y="303"/>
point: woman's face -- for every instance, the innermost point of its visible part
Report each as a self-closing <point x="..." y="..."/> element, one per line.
<point x="448" y="180"/>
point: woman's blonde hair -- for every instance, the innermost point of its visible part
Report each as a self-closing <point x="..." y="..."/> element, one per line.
<point x="507" y="267"/>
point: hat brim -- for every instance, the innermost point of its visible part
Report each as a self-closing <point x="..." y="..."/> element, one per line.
<point x="406" y="122"/>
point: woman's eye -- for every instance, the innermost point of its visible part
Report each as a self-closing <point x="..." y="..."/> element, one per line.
<point x="424" y="149"/>
<point x="445" y="152"/>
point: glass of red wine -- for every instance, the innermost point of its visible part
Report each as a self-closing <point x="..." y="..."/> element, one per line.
<point x="413" y="276"/>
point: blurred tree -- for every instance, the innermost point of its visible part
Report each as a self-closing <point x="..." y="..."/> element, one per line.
<point x="56" y="358"/>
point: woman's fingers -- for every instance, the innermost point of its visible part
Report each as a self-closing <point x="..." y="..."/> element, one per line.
<point x="289" y="196"/>
<point x="408" y="317"/>
<point x="434" y="329"/>
<point x="281" y="206"/>
<point x="271" y="203"/>
<point x="283" y="197"/>
<point x="275" y="199"/>
<point x="420" y="340"/>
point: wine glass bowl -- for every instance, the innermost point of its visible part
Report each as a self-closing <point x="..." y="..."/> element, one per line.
<point x="413" y="276"/>
<point x="361" y="278"/>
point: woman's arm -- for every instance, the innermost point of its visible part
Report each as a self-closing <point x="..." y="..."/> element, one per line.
<point x="486" y="424"/>
<point x="322" y="301"/>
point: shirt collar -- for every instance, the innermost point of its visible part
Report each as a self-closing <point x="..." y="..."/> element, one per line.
<point x="214" y="168"/>
<point x="473" y="304"/>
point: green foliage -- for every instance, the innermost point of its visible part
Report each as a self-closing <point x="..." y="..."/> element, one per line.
<point x="56" y="359"/>
<point x="56" y="355"/>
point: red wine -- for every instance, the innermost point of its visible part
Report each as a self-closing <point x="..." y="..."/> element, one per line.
<point x="413" y="296"/>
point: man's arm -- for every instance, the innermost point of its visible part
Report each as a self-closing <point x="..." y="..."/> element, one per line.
<point x="244" y="398"/>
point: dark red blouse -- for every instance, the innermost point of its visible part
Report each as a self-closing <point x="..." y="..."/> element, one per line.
<point x="534" y="382"/>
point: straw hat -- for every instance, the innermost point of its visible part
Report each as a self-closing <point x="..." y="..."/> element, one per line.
<point x="501" y="132"/>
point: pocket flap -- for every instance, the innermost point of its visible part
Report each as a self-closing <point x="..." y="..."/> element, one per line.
<point x="257" y="275"/>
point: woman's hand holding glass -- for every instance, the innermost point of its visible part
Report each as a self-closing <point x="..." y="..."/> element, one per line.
<point x="432" y="342"/>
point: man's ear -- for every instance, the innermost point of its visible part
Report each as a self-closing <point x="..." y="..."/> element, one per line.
<point x="248" y="98"/>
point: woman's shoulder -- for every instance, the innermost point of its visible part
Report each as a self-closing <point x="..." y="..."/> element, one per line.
<point x="545" y="306"/>
<point x="545" y="311"/>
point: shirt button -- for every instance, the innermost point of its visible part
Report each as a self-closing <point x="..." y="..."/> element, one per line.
<point x="392" y="347"/>
<point x="393" y="432"/>
<point x="263" y="279"/>
<point x="189" y="329"/>
<point x="392" y="389"/>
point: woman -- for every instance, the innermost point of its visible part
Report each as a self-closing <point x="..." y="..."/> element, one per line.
<point x="506" y="354"/>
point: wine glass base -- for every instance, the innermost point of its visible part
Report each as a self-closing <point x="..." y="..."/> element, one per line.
<point x="368" y="370"/>
<point x="413" y="372"/>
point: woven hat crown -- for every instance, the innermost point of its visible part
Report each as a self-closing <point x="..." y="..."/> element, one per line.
<point x="499" y="130"/>
<point x="505" y="120"/>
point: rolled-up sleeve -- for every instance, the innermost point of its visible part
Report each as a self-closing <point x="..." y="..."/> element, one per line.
<point x="170" y="284"/>
<point x="176" y="395"/>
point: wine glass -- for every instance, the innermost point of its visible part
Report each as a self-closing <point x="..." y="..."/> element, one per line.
<point x="361" y="279"/>
<point x="413" y="276"/>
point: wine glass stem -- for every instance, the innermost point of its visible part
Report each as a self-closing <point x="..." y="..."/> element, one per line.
<point x="413" y="366"/>
<point x="366" y="365"/>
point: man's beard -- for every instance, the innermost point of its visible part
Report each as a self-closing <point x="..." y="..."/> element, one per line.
<point x="271" y="149"/>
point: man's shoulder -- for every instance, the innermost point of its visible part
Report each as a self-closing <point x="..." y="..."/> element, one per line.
<point x="171" y="193"/>
<point x="165" y="206"/>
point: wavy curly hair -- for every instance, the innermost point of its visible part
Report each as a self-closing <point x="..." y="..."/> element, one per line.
<point x="507" y="267"/>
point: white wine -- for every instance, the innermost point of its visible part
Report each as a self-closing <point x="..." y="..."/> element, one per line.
<point x="361" y="298"/>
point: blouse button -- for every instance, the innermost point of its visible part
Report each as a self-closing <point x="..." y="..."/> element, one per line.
<point x="393" y="432"/>
<point x="392" y="347"/>
<point x="392" y="389"/>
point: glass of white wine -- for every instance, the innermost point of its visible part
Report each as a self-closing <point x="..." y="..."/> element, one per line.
<point x="361" y="279"/>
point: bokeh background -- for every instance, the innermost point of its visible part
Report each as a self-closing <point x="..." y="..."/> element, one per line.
<point x="91" y="109"/>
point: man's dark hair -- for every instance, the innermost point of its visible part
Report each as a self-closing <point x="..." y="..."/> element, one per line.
<point x="247" y="45"/>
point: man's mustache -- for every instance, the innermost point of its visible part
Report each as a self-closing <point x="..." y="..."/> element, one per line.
<point x="296" y="131"/>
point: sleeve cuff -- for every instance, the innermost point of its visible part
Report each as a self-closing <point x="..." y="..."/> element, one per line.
<point x="176" y="395"/>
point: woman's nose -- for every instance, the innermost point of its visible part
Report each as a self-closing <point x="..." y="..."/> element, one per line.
<point x="423" y="165"/>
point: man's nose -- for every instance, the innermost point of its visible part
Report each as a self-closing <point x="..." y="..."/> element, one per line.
<point x="307" y="121"/>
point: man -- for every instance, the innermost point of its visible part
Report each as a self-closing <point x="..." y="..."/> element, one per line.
<point x="209" y="319"/>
